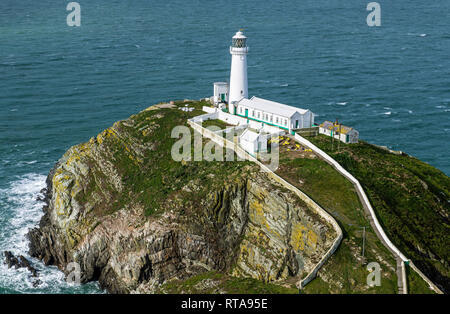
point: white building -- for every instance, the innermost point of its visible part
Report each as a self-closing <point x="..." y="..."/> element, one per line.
<point x="238" y="73"/>
<point x="253" y="142"/>
<point x="273" y="113"/>
<point x="338" y="131"/>
<point x="220" y="92"/>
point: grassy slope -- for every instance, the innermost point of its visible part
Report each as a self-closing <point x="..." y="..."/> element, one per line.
<point x="215" y="282"/>
<point x="155" y="179"/>
<point x="346" y="271"/>
<point x="411" y="200"/>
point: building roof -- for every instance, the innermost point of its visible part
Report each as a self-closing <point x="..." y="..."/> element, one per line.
<point x="271" y="106"/>
<point x="331" y="126"/>
<point x="249" y="135"/>
<point x="239" y="34"/>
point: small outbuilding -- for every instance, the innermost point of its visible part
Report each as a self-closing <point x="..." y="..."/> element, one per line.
<point x="253" y="142"/>
<point x="338" y="131"/>
<point x="220" y="92"/>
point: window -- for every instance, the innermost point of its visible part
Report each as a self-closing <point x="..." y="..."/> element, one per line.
<point x="276" y="120"/>
<point x="253" y="113"/>
<point x="240" y="109"/>
<point x="271" y="118"/>
<point x="259" y="115"/>
<point x="285" y="122"/>
<point x="266" y="117"/>
<point x="238" y="42"/>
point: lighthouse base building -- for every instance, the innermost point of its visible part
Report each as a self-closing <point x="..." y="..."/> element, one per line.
<point x="274" y="114"/>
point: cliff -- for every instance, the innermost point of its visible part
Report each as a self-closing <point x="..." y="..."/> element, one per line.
<point x="136" y="220"/>
<point x="139" y="222"/>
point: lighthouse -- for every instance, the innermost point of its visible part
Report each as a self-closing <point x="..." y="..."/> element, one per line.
<point x="238" y="73"/>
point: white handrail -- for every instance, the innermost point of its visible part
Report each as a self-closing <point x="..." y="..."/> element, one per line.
<point x="366" y="202"/>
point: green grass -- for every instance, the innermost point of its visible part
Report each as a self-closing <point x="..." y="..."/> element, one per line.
<point x="157" y="178"/>
<point x="216" y="282"/>
<point x="416" y="285"/>
<point x="347" y="275"/>
<point x="410" y="198"/>
<point x="216" y="122"/>
<point x="345" y="271"/>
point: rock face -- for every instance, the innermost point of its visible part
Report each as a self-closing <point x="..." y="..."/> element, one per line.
<point x="132" y="218"/>
<point x="20" y="262"/>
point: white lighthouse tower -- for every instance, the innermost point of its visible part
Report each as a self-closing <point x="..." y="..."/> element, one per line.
<point x="238" y="74"/>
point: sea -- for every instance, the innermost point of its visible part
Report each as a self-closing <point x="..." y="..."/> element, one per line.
<point x="61" y="85"/>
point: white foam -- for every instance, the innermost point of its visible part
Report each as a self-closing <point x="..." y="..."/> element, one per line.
<point x="20" y="211"/>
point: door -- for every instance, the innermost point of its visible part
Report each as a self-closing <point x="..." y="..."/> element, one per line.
<point x="296" y="124"/>
<point x="222" y="96"/>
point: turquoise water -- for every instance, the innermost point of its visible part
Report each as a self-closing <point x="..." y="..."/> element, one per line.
<point x="60" y="85"/>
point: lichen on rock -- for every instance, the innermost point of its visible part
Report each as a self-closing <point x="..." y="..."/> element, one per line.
<point x="135" y="219"/>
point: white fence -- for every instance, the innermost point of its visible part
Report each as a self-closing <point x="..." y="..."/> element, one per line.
<point x="358" y="186"/>
<point x="237" y="120"/>
<point x="364" y="199"/>
<point x="319" y="210"/>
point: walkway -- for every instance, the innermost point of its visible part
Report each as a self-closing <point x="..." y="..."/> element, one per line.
<point x="370" y="213"/>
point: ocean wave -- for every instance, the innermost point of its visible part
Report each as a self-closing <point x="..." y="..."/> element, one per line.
<point x="21" y="210"/>
<point x="418" y="35"/>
